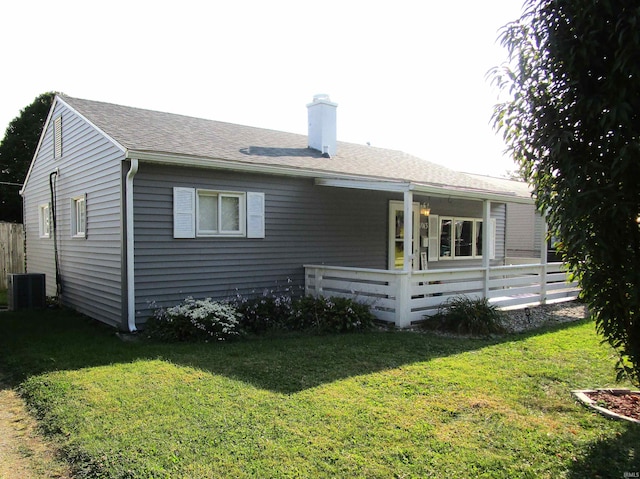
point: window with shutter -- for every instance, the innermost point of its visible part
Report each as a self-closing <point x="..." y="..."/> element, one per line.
<point x="202" y="213"/>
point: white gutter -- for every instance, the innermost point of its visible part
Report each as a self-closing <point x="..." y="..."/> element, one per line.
<point x="131" y="287"/>
<point x="325" y="178"/>
<point x="443" y="191"/>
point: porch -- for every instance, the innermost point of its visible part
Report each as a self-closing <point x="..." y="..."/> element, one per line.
<point x="405" y="297"/>
<point x="463" y="232"/>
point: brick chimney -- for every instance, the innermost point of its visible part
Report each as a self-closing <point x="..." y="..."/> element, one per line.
<point x="322" y="125"/>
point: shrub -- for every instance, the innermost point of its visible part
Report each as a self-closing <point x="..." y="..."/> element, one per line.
<point x="463" y="315"/>
<point x="264" y="313"/>
<point x="330" y="315"/>
<point x="201" y="319"/>
<point x="267" y="311"/>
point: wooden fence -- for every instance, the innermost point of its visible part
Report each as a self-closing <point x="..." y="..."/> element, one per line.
<point x="12" y="255"/>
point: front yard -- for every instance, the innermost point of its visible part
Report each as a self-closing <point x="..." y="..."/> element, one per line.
<point x="378" y="404"/>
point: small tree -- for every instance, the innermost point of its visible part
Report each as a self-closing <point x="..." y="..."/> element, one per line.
<point x="573" y="126"/>
<point x="16" y="152"/>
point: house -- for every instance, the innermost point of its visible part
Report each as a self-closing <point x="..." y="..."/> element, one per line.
<point x="127" y="208"/>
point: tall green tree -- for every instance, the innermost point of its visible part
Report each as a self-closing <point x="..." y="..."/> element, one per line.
<point x="572" y="123"/>
<point x="16" y="152"/>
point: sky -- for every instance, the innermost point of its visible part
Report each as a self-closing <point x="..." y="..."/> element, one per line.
<point x="406" y="75"/>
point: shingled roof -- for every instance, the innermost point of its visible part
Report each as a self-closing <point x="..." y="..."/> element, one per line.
<point x="145" y="131"/>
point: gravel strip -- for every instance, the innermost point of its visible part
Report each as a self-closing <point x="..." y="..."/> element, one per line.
<point x="526" y="319"/>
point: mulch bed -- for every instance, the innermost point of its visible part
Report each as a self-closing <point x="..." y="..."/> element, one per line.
<point x="618" y="401"/>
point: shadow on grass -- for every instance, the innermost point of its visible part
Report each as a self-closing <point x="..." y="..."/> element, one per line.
<point x="617" y="457"/>
<point x="42" y="341"/>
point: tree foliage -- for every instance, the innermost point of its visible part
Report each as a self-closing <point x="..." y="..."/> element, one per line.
<point x="573" y="125"/>
<point x="16" y="152"/>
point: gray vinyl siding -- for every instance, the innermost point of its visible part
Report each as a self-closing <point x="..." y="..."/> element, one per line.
<point x="303" y="223"/>
<point x="538" y="234"/>
<point x="524" y="231"/>
<point x="90" y="267"/>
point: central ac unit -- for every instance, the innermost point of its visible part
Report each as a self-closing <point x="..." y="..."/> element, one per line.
<point x="26" y="291"/>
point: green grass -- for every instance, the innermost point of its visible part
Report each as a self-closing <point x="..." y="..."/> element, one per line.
<point x="4" y="300"/>
<point x="374" y="405"/>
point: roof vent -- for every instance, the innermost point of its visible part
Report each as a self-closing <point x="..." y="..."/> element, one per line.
<point x="322" y="125"/>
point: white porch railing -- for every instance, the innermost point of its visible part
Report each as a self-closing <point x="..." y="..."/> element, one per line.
<point x="404" y="297"/>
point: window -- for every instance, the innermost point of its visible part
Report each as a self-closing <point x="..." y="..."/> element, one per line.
<point x="79" y="217"/>
<point x="220" y="213"/>
<point x="460" y="238"/>
<point x="44" y="221"/>
<point x="211" y="213"/>
<point x="57" y="137"/>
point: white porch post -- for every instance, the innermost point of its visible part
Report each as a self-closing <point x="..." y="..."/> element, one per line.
<point x="408" y="231"/>
<point x="543" y="261"/>
<point x="403" y="296"/>
<point x="486" y="244"/>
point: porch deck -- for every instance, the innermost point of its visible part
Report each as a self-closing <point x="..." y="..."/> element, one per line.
<point x="404" y="298"/>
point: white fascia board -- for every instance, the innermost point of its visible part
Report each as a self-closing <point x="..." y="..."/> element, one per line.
<point x="324" y="178"/>
<point x="403" y="186"/>
<point x="229" y="165"/>
<point x="366" y="184"/>
<point x="35" y="154"/>
<point x="85" y="119"/>
<point x="57" y="99"/>
<point x="478" y="195"/>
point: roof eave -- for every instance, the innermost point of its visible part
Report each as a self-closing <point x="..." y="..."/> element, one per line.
<point x="325" y="178"/>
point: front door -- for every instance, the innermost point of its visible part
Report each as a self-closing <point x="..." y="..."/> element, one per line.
<point x="396" y="235"/>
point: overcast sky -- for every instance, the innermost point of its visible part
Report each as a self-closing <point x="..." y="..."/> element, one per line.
<point x="407" y="75"/>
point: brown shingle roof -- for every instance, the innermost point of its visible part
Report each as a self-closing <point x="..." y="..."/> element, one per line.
<point x="152" y="131"/>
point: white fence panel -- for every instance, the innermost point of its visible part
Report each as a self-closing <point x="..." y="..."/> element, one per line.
<point x="405" y="298"/>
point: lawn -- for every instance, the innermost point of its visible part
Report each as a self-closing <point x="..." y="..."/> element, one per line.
<point x="374" y="405"/>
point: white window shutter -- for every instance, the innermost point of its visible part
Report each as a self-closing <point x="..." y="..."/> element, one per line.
<point x="434" y="237"/>
<point x="184" y="212"/>
<point x="255" y="215"/>
<point x="85" y="216"/>
<point x="492" y="246"/>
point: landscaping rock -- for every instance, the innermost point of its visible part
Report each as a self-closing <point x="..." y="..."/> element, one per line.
<point x="519" y="320"/>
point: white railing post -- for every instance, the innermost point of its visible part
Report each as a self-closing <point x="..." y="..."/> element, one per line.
<point x="543" y="261"/>
<point x="403" y="298"/>
<point x="319" y="278"/>
<point x="308" y="272"/>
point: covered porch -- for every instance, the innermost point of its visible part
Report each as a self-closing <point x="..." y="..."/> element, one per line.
<point x="413" y="286"/>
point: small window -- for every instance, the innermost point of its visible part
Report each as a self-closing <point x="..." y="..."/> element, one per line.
<point x="220" y="213"/>
<point x="44" y="221"/>
<point x="79" y="217"/>
<point x="57" y="137"/>
<point x="460" y="238"/>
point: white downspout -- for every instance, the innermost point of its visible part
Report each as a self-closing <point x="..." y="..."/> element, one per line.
<point x="131" y="288"/>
